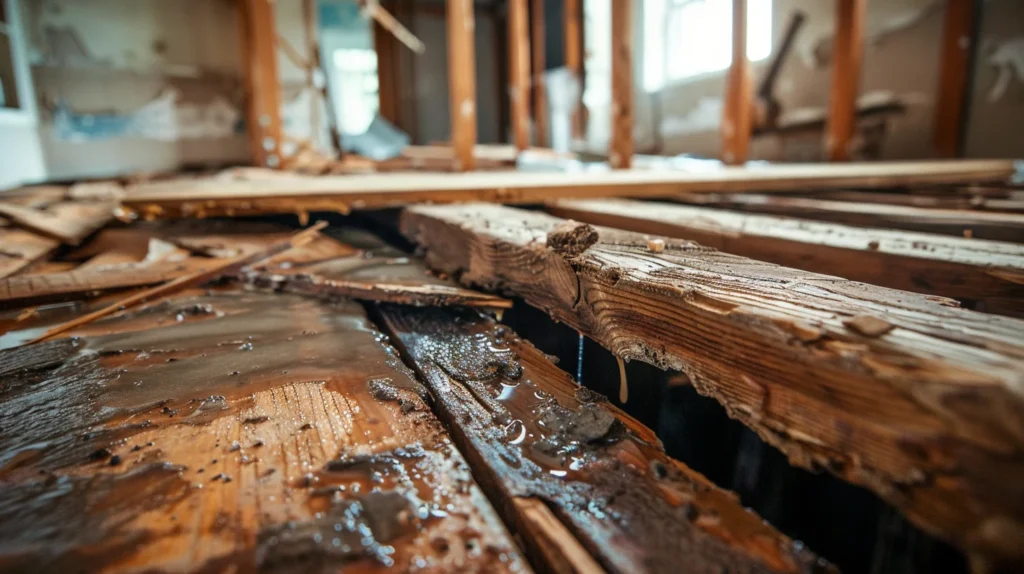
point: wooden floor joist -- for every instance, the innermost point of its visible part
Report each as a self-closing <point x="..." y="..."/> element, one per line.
<point x="958" y="222"/>
<point x="580" y="480"/>
<point x="200" y="198"/>
<point x="905" y="394"/>
<point x="233" y="431"/>
<point x="988" y="272"/>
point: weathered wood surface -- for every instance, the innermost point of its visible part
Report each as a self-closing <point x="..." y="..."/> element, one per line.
<point x="989" y="272"/>
<point x="580" y="480"/>
<point x="69" y="222"/>
<point x="20" y="248"/>
<point x="233" y="431"/>
<point x="905" y="394"/>
<point x="958" y="222"/>
<point x="982" y="200"/>
<point x="208" y="197"/>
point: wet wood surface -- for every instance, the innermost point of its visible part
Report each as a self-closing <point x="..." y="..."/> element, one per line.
<point x="905" y="394"/>
<point x="232" y="431"/>
<point x="959" y="222"/>
<point x="214" y="196"/>
<point x="580" y="480"/>
<point x="988" y="272"/>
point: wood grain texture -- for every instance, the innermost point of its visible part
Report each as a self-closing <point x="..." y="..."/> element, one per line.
<point x="20" y="248"/>
<point x="69" y="222"/>
<point x="928" y="413"/>
<point x="233" y="432"/>
<point x="263" y="89"/>
<point x="989" y="272"/>
<point x="519" y="72"/>
<point x="462" y="82"/>
<point x="847" y="55"/>
<point x="210" y="197"/>
<point x="738" y="121"/>
<point x="958" y="222"/>
<point x="620" y="153"/>
<point x="957" y="39"/>
<point x="581" y="481"/>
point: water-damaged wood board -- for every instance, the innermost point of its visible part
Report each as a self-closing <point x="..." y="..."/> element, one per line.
<point x="232" y="430"/>
<point x="988" y="272"/>
<point x="581" y="481"/>
<point x="905" y="394"/>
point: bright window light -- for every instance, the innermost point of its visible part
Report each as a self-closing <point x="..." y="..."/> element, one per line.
<point x="686" y="38"/>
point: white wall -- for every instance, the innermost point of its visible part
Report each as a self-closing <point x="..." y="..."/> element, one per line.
<point x="21" y="157"/>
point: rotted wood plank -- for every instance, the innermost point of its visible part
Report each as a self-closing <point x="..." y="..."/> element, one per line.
<point x="905" y="394"/>
<point x="69" y="222"/>
<point x="208" y="197"/>
<point x="20" y="248"/>
<point x="580" y="480"/>
<point x="990" y="272"/>
<point x="233" y="431"/>
<point x="958" y="222"/>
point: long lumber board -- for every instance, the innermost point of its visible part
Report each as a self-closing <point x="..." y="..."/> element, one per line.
<point x="199" y="198"/>
<point x="906" y="394"/>
<point x="261" y="432"/>
<point x="580" y="480"/>
<point x="996" y="226"/>
<point x="989" y="272"/>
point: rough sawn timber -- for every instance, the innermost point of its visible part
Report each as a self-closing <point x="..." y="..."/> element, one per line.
<point x="579" y="479"/>
<point x="989" y="272"/>
<point x="209" y="197"/>
<point x="233" y="431"/>
<point x="906" y="394"/>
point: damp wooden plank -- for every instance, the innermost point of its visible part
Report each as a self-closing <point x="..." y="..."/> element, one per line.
<point x="902" y="393"/>
<point x="69" y="222"/>
<point x="20" y="248"/>
<point x="959" y="222"/>
<point x="208" y="197"/>
<point x="990" y="272"/>
<point x="581" y="481"/>
<point x="233" y="431"/>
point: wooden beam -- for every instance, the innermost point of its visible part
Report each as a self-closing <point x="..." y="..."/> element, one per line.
<point x="539" y="90"/>
<point x="560" y="447"/>
<point x="462" y="82"/>
<point x="620" y="156"/>
<point x="573" y="31"/>
<point x="737" y="122"/>
<point x="387" y="81"/>
<point x="277" y="425"/>
<point x="957" y="222"/>
<point x="199" y="197"/>
<point x="901" y="393"/>
<point x="953" y="81"/>
<point x="847" y="54"/>
<point x="263" y="89"/>
<point x="980" y="271"/>
<point x="519" y="72"/>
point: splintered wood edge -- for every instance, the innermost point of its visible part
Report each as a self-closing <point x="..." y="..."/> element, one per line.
<point x="497" y="248"/>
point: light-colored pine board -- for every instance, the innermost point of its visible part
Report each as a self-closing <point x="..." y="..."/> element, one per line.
<point x="975" y="224"/>
<point x="69" y="222"/>
<point x="977" y="270"/>
<point x="20" y="248"/>
<point x="581" y="481"/>
<point x="737" y="120"/>
<point x="905" y="394"/>
<point x="233" y="431"/>
<point x="462" y="82"/>
<point x="199" y="198"/>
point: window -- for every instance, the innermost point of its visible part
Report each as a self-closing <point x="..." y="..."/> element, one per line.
<point x="357" y="88"/>
<point x="686" y="38"/>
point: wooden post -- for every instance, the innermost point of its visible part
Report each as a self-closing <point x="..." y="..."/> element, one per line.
<point x="846" y="63"/>
<point x="462" y="82"/>
<point x="540" y="96"/>
<point x="259" y="40"/>
<point x="737" y="118"/>
<point x="574" y="55"/>
<point x="519" y="72"/>
<point x="956" y="50"/>
<point x="620" y="155"/>
<point x="387" y="85"/>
